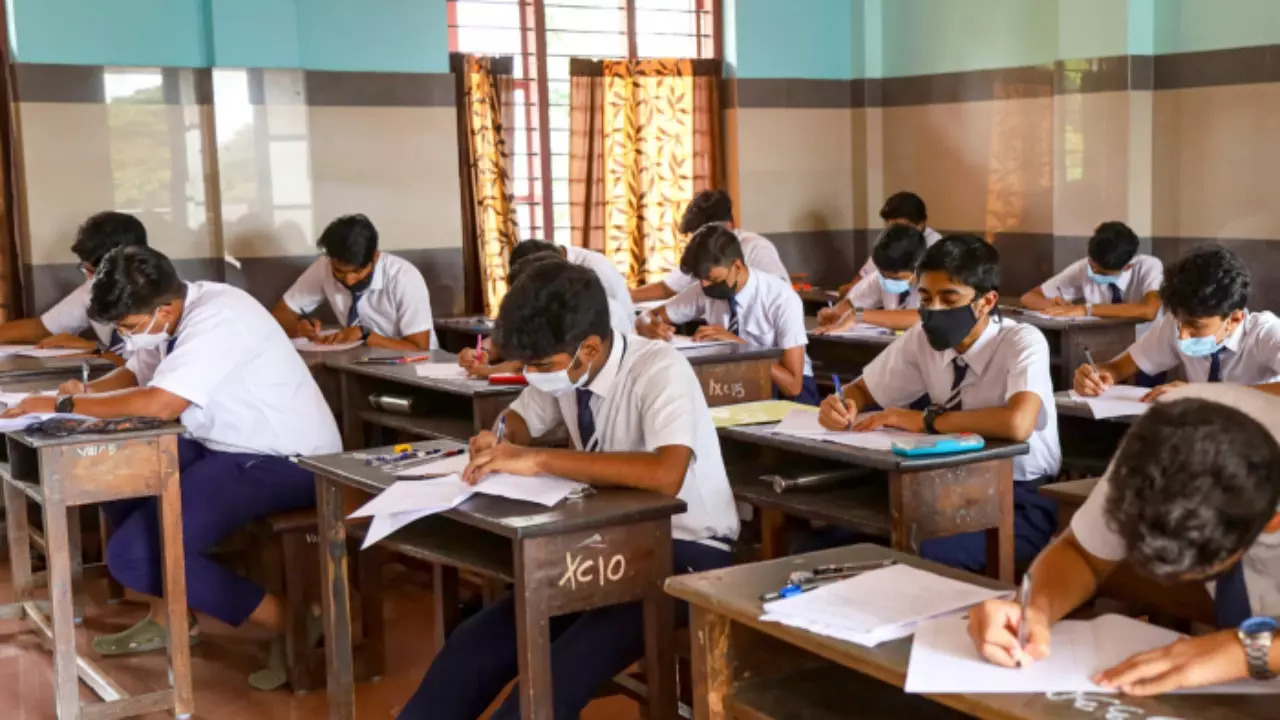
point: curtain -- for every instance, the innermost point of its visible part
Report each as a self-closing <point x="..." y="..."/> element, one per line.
<point x="484" y="87"/>
<point x="644" y="138"/>
<point x="11" y="291"/>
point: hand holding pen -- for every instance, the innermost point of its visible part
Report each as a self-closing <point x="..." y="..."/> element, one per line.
<point x="1009" y="633"/>
<point x="836" y="412"/>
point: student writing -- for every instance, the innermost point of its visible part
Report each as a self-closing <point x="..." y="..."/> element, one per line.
<point x="1113" y="281"/>
<point x="886" y="298"/>
<point x="900" y="208"/>
<point x="621" y="312"/>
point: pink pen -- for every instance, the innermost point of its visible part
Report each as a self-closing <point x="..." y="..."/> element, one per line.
<point x="479" y="347"/>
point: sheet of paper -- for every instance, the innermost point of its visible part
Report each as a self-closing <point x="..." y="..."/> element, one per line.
<point x="754" y="413"/>
<point x="804" y="424"/>
<point x="684" y="342"/>
<point x="801" y="421"/>
<point x="1117" y="401"/>
<point x="429" y="468"/>
<point x="1044" y="316"/>
<point x="14" y="349"/>
<point x="48" y="352"/>
<point x="383" y="525"/>
<point x="440" y="371"/>
<point x="943" y="659"/>
<point x="545" y="490"/>
<point x="862" y="331"/>
<point x="305" y="345"/>
<point x="411" y="495"/>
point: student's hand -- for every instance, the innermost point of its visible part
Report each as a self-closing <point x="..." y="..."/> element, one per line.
<point x="836" y="413"/>
<point x="652" y="327"/>
<point x="309" y="328"/>
<point x="715" y="332"/>
<point x="469" y="358"/>
<point x="840" y="324"/>
<point x="993" y="627"/>
<point x="32" y="404"/>
<point x="1161" y="389"/>
<point x="1092" y="383"/>
<point x="1063" y="309"/>
<point x="503" y="457"/>
<point x="1188" y="663"/>
<point x="69" y="342"/>
<point x="345" y="335"/>
<point x="72" y="387"/>
<point x="896" y="418"/>
<point x="1059" y="301"/>
<point x="827" y="316"/>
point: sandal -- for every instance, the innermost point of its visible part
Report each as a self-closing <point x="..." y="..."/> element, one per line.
<point x="276" y="674"/>
<point x="146" y="636"/>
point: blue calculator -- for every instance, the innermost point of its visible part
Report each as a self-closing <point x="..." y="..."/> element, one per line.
<point x="939" y="445"/>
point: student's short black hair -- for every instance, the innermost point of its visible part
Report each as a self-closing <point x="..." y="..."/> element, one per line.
<point x="1113" y="245"/>
<point x="133" y="280"/>
<point x="712" y="246"/>
<point x="1209" y="282"/>
<point x="904" y="206"/>
<point x="527" y="263"/>
<point x="351" y="239"/>
<point x="899" y="249"/>
<point x="1193" y="483"/>
<point x="967" y="259"/>
<point x="528" y="248"/>
<point x="707" y="207"/>
<point x="551" y="309"/>
<point x="104" y="232"/>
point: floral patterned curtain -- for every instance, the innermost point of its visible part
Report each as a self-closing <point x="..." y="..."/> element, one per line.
<point x="644" y="138"/>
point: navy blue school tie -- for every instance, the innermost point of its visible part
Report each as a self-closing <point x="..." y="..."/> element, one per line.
<point x="116" y="342"/>
<point x="1215" y="366"/>
<point x="168" y="349"/>
<point x="586" y="419"/>
<point x="733" y="315"/>
<point x="1117" y="297"/>
<point x="353" y="314"/>
<point x="959" y="369"/>
<point x="1231" y="598"/>
<point x="902" y="298"/>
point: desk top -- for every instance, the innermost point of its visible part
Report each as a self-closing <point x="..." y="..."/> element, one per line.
<point x="735" y="593"/>
<point x="470" y="324"/>
<point x="39" y="440"/>
<point x="13" y="367"/>
<point x="725" y="353"/>
<point x="1080" y="409"/>
<point x="1072" y="492"/>
<point x="811" y="324"/>
<point x="875" y="459"/>
<point x="1020" y="315"/>
<point x="511" y="518"/>
<point x="407" y="375"/>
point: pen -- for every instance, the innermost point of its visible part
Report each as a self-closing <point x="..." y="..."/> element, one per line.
<point x="792" y="589"/>
<point x="840" y="394"/>
<point x="1024" y="598"/>
<point x="502" y="426"/>
<point x="84" y="375"/>
<point x="395" y="360"/>
<point x="479" y="346"/>
<point x="1088" y="357"/>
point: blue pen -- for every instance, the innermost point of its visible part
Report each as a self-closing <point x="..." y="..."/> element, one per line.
<point x="502" y="426"/>
<point x="840" y="393"/>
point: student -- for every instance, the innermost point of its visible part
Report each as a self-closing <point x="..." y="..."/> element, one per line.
<point x="637" y="419"/>
<point x="1205" y="327"/>
<point x="707" y="207"/>
<point x="621" y="311"/>
<point x="1114" y="281"/>
<point x="887" y="298"/>
<point x="741" y="304"/>
<point x="61" y="325"/>
<point x="210" y="356"/>
<point x="984" y="374"/>
<point x="901" y="208"/>
<point x="1191" y="496"/>
<point x="380" y="299"/>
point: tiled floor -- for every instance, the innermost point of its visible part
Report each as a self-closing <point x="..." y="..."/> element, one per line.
<point x="225" y="657"/>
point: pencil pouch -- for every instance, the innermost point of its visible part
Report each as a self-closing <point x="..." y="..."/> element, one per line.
<point x="939" y="445"/>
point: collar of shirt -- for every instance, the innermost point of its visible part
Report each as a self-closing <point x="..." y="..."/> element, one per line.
<point x="748" y="291"/>
<point x="375" y="283"/>
<point x="1233" y="340"/>
<point x="603" y="381"/>
<point x="978" y="356"/>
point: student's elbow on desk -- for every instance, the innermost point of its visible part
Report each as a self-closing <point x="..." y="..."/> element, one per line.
<point x="673" y="462"/>
<point x="164" y="404"/>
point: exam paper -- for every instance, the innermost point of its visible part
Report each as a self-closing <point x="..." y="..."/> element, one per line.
<point x="1045" y="316"/>
<point x="1117" y="401"/>
<point x="545" y="490"/>
<point x="441" y="371"/>
<point x="447" y="466"/>
<point x="804" y="424"/>
<point x="305" y="345"/>
<point x="861" y="330"/>
<point x="944" y="660"/>
<point x="684" y="342"/>
<point x="48" y="352"/>
<point x="409" y="496"/>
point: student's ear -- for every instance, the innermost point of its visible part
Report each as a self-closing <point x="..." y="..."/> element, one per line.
<point x="1236" y="317"/>
<point x="987" y="303"/>
<point x="1274" y="525"/>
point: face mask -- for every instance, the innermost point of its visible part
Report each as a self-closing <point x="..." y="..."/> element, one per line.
<point x="360" y="286"/>
<point x="556" y="383"/>
<point x="720" y="291"/>
<point x="145" y="340"/>
<point x="1199" y="346"/>
<point x="1103" y="279"/>
<point x="894" y="287"/>
<point x="948" y="328"/>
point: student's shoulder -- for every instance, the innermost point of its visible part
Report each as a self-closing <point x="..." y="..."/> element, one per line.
<point x="746" y="238"/>
<point x="653" y="363"/>
<point x="1147" y="263"/>
<point x="1263" y="321"/>
<point x="1023" y="336"/>
<point x="398" y="269"/>
<point x="211" y="304"/>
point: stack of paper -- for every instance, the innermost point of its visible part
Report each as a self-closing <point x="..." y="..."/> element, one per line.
<point x="804" y="423"/>
<point x="944" y="660"/>
<point x="876" y="606"/>
<point x="305" y="345"/>
<point x="435" y="468"/>
<point x="441" y="371"/>
<point x="862" y="330"/>
<point x="684" y="342"/>
<point x="754" y="413"/>
<point x="1046" y="316"/>
<point x="1117" y="401"/>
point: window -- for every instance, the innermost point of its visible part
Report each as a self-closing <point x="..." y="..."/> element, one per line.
<point x="542" y="35"/>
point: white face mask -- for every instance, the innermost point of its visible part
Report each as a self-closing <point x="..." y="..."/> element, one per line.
<point x="556" y="383"/>
<point x="145" y="340"/>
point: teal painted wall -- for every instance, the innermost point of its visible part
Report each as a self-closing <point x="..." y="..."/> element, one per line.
<point x="110" y="32"/>
<point x="922" y="37"/>
<point x="1195" y="25"/>
<point x="382" y="35"/>
<point x="255" y="33"/>
<point x="793" y="38"/>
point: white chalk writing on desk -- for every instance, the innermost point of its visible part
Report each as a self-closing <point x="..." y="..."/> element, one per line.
<point x="585" y="570"/>
<point x="735" y="390"/>
<point x="1106" y="707"/>
<point x="96" y="450"/>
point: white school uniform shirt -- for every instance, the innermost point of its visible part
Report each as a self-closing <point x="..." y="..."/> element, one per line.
<point x="1008" y="358"/>
<point x="1261" y="561"/>
<point x="646" y="397"/>
<point x="770" y="313"/>
<point x="396" y="305"/>
<point x="615" y="286"/>
<point x="71" y="315"/>
<point x="621" y="319"/>
<point x="868" y="293"/>
<point x="250" y="391"/>
<point x="1073" y="283"/>
<point x="757" y="252"/>
<point x="931" y="236"/>
<point x="1251" y="355"/>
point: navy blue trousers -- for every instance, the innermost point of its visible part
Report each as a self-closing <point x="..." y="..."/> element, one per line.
<point x="587" y="649"/>
<point x="221" y="492"/>
<point x="809" y="394"/>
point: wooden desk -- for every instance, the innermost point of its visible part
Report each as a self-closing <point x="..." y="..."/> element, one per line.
<point x="846" y="354"/>
<point x="14" y="368"/>
<point x="816" y="299"/>
<point x="455" y="333"/>
<point x="1087" y="444"/>
<point x="610" y="547"/>
<point x="735" y="373"/>
<point x="444" y="408"/>
<point x="746" y="668"/>
<point x="1105" y="337"/>
<point x="926" y="497"/>
<point x="60" y="475"/>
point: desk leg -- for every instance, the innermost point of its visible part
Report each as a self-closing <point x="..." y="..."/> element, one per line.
<point x="659" y="643"/>
<point x="335" y="598"/>
<point x="533" y="640"/>
<point x="712" y="676"/>
<point x="1000" y="539"/>
<point x="66" y="680"/>
<point x="773" y="533"/>
<point x="19" y="533"/>
<point x="75" y="550"/>
<point x="175" y="586"/>
<point x="444" y="585"/>
<point x="352" y="426"/>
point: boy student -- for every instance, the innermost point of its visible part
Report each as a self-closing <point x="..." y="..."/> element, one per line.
<point x="210" y="356"/>
<point x="1114" y="281"/>
<point x="984" y="374"/>
<point x="739" y="303"/>
<point x="615" y="286"/>
<point x="1190" y="496"/>
<point x="1205" y="327"/>
<point x="380" y="299"/>
<point x="901" y="208"/>
<point x="707" y="207"/>
<point x="637" y="418"/>
<point x="60" y="326"/>
<point x="888" y="297"/>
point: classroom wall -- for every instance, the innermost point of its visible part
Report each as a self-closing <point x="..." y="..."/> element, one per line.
<point x="301" y="109"/>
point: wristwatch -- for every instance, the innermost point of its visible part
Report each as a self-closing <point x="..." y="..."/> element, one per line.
<point x="932" y="413"/>
<point x="65" y="404"/>
<point x="364" y="334"/>
<point x="857" y="315"/>
<point x="1257" y="634"/>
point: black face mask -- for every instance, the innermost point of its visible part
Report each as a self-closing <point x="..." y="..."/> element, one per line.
<point x="720" y="291"/>
<point x="361" y="285"/>
<point x="948" y="328"/>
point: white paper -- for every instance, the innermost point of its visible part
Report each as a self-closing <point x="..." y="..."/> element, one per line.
<point x="14" y="349"/>
<point x="862" y="330"/>
<point x="412" y="495"/>
<point x="1044" y="316"/>
<point x="48" y="352"/>
<point x="797" y="424"/>
<point x="1117" y="401"/>
<point x="684" y="342"/>
<point x="876" y="606"/>
<point x="944" y="660"/>
<point x="441" y="371"/>
<point x="545" y="490"/>
<point x="801" y="421"/>
<point x="448" y="466"/>
<point x="383" y="525"/>
<point x="305" y="345"/>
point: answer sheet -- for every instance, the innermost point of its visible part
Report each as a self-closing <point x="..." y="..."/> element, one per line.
<point x="440" y="371"/>
<point x="305" y="345"/>
<point x="862" y="330"/>
<point x="1117" y="401"/>
<point x="429" y="468"/>
<point x="684" y="342"/>
<point x="804" y="423"/>
<point x="1045" y="316"/>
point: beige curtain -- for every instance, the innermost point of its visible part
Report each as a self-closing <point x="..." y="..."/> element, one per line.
<point x="644" y="138"/>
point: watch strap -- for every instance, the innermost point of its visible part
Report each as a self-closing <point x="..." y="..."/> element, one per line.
<point x="1257" y="642"/>
<point x="65" y="404"/>
<point x="931" y="414"/>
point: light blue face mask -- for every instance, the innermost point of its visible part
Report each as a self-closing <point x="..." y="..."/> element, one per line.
<point x="556" y="383"/>
<point x="1103" y="279"/>
<point x="894" y="287"/>
<point x="1199" y="346"/>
